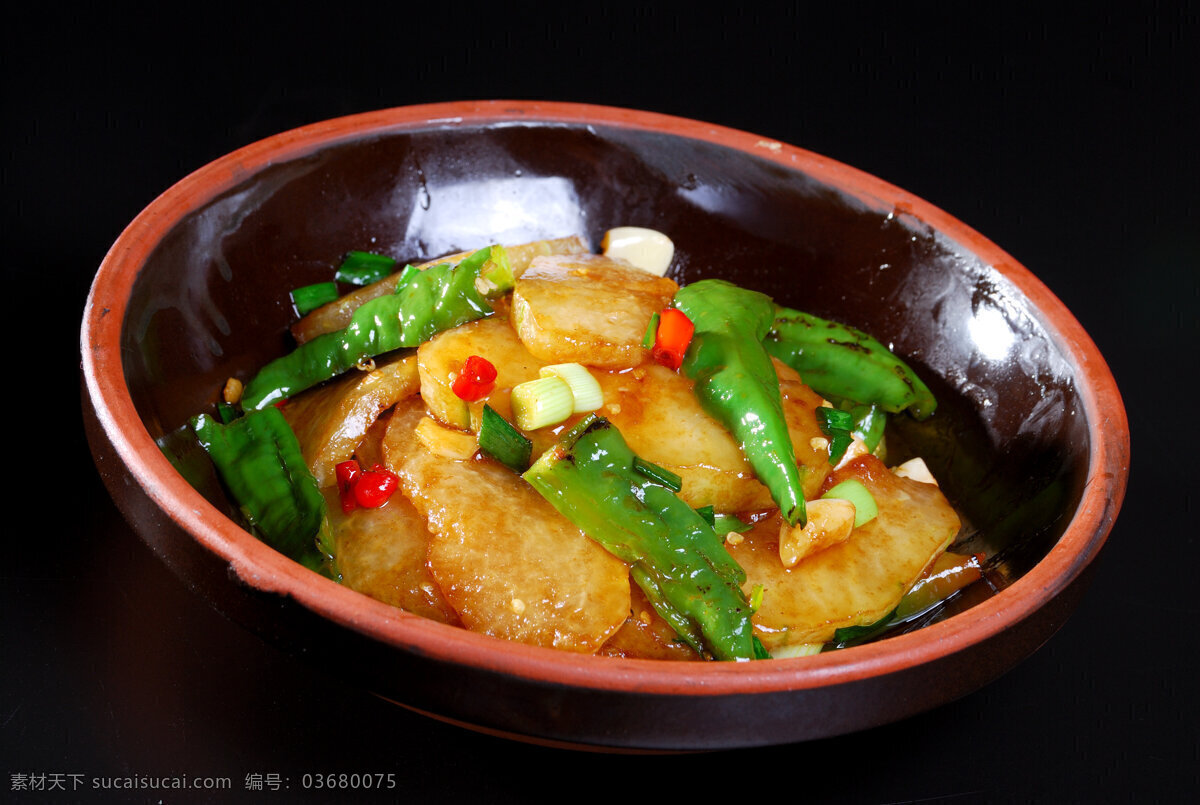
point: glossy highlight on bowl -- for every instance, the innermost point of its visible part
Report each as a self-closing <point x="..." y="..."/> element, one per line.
<point x="1030" y="441"/>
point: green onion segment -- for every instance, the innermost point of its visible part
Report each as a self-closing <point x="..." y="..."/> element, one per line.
<point x="501" y="441"/>
<point x="836" y="425"/>
<point x="725" y="523"/>
<point x="585" y="390"/>
<point x="310" y="297"/>
<point x="865" y="508"/>
<point x="660" y="475"/>
<point x="542" y="402"/>
<point x="364" y="268"/>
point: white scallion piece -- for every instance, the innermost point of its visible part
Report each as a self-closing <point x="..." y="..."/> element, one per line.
<point x="797" y="650"/>
<point x="647" y="249"/>
<point x="542" y="402"/>
<point x="584" y="388"/>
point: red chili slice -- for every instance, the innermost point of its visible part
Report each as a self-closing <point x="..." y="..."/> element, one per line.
<point x="347" y="473"/>
<point x="476" y="380"/>
<point x="375" y="486"/>
<point x="671" y="340"/>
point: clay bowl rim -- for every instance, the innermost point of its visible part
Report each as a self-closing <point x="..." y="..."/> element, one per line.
<point x="261" y="567"/>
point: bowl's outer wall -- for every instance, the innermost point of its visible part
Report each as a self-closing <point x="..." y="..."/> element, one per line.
<point x="1011" y="440"/>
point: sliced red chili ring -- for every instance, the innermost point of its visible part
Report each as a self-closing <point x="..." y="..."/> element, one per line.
<point x="476" y="380"/>
<point x="347" y="473"/>
<point x="672" y="338"/>
<point x="375" y="486"/>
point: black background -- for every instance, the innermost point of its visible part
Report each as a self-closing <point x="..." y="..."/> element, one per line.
<point x="1069" y="141"/>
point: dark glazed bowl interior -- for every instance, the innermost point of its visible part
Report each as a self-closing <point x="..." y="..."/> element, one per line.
<point x="1029" y="441"/>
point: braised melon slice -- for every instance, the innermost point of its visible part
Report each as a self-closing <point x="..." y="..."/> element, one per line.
<point x="331" y="420"/>
<point x="856" y="582"/>
<point x="441" y="358"/>
<point x="587" y="309"/>
<point x="506" y="560"/>
<point x="381" y="553"/>
<point x="646" y="636"/>
<point x="662" y="421"/>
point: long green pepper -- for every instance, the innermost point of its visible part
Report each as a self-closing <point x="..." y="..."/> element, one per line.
<point x="842" y="363"/>
<point x="736" y="382"/>
<point x="676" y="557"/>
<point x="433" y="300"/>
<point x="258" y="458"/>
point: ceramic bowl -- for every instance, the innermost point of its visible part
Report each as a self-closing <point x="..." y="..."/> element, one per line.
<point x="1031" y="439"/>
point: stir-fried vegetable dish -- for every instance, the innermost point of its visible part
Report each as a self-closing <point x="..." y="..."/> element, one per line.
<point x="570" y="450"/>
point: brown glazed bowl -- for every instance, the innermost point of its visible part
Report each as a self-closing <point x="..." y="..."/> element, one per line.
<point x="1030" y="439"/>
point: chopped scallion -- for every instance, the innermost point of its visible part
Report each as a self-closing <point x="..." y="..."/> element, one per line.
<point x="659" y="475"/>
<point x="865" y="508"/>
<point x="724" y="523"/>
<point x="797" y="650"/>
<point x="585" y="390"/>
<point x="496" y="274"/>
<point x="756" y="596"/>
<point x="363" y="268"/>
<point x="849" y="634"/>
<point x="869" y="424"/>
<point x="501" y="441"/>
<point x="542" y="402"/>
<point x="311" y="297"/>
<point x="836" y="425"/>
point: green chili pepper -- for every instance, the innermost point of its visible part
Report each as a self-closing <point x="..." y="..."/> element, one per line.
<point x="737" y="385"/>
<point x="676" y="558"/>
<point x="840" y="362"/>
<point x="436" y="299"/>
<point x="258" y="459"/>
